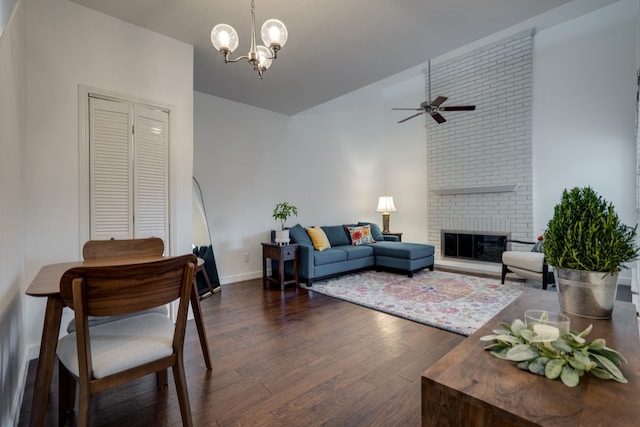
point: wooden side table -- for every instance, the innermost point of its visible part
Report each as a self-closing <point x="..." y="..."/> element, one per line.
<point x="398" y="235"/>
<point x="280" y="253"/>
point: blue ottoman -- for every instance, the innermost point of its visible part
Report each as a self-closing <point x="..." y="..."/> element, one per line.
<point x="402" y="256"/>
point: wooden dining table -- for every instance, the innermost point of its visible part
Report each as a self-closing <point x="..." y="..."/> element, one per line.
<point x="47" y="284"/>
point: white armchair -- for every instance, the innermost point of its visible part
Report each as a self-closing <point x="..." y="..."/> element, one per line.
<point x="526" y="264"/>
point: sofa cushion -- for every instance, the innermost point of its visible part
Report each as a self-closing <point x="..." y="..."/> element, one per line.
<point x="319" y="238"/>
<point x="403" y="250"/>
<point x="360" y="235"/>
<point x="336" y="234"/>
<point x="299" y="235"/>
<point x="375" y="230"/>
<point x="329" y="256"/>
<point x="357" y="252"/>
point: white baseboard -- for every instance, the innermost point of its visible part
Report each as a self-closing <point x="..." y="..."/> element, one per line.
<point x="22" y="383"/>
<point x="225" y="280"/>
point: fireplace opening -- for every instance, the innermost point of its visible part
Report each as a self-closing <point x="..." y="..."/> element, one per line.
<point x="470" y="245"/>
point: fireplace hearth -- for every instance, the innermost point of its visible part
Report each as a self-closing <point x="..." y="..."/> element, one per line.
<point x="474" y="246"/>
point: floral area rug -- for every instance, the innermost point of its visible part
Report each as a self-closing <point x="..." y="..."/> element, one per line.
<point x="449" y="301"/>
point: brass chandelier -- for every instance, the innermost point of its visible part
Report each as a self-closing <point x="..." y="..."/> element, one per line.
<point x="274" y="35"/>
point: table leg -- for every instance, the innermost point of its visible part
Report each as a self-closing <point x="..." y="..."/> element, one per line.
<point x="197" y="314"/>
<point x="264" y="270"/>
<point x="46" y="360"/>
<point x="295" y="268"/>
<point x="281" y="271"/>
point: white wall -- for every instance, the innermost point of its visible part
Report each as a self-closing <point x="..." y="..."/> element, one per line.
<point x="405" y="159"/>
<point x="13" y="88"/>
<point x="584" y="109"/>
<point x="69" y="45"/>
<point x="248" y="159"/>
<point x="238" y="163"/>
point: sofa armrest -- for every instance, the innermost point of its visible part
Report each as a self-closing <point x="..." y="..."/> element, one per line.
<point x="306" y="263"/>
<point x="390" y="238"/>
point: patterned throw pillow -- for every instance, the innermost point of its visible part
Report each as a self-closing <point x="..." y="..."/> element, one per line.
<point x="376" y="233"/>
<point x="319" y="238"/>
<point x="360" y="235"/>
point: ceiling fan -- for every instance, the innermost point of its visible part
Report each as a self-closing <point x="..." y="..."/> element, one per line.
<point x="434" y="107"/>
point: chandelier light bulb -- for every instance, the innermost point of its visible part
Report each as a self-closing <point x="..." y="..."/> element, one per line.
<point x="274" y="33"/>
<point x="264" y="58"/>
<point x="224" y="38"/>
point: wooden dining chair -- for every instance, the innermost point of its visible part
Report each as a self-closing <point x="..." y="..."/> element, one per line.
<point x="96" y="249"/>
<point x="124" y="248"/>
<point x="144" y="247"/>
<point x="113" y="353"/>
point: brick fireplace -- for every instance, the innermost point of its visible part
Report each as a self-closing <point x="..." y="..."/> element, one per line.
<point x="479" y="163"/>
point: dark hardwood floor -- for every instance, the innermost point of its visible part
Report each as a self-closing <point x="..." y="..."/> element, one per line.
<point x="292" y="358"/>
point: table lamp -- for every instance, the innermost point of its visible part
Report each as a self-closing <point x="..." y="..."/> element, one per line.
<point x="385" y="205"/>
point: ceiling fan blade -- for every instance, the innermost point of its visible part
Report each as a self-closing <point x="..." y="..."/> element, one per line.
<point x="438" y="117"/>
<point x="410" y="117"/>
<point x="439" y="100"/>
<point x="459" y="108"/>
<point x="410" y="109"/>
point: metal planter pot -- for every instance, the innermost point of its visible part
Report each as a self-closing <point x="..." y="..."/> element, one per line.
<point x="586" y="293"/>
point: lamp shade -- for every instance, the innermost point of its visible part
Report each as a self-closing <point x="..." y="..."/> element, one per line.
<point x="385" y="205"/>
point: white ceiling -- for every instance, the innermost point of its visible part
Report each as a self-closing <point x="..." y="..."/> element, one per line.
<point x="334" y="47"/>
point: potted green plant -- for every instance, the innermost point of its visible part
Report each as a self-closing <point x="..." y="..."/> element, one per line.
<point x="587" y="245"/>
<point x="282" y="212"/>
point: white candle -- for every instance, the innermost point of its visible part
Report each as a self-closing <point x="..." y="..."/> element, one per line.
<point x="547" y="331"/>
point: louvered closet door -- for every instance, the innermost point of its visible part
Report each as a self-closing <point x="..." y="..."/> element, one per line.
<point x="110" y="169"/>
<point x="150" y="174"/>
<point x="128" y="151"/>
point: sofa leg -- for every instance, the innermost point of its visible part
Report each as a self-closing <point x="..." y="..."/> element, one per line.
<point x="430" y="267"/>
<point x="410" y="274"/>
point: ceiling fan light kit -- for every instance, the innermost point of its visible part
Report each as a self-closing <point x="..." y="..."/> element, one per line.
<point x="434" y="107"/>
<point x="274" y="35"/>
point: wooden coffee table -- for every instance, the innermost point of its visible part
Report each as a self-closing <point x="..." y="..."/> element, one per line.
<point x="468" y="386"/>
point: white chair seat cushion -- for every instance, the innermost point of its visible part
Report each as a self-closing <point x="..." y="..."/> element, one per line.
<point x="99" y="320"/>
<point x="121" y="344"/>
<point x="530" y="261"/>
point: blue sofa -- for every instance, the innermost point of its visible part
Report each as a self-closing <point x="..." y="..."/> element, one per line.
<point x="343" y="257"/>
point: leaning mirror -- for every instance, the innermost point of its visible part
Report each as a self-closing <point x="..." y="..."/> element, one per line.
<point x="207" y="277"/>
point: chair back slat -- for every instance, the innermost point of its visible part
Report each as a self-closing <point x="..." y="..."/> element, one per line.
<point x="96" y="249"/>
<point x="122" y="289"/>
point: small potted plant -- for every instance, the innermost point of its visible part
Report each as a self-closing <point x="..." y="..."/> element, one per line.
<point x="587" y="245"/>
<point x="282" y="212"/>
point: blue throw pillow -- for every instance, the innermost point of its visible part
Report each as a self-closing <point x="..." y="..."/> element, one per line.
<point x="337" y="235"/>
<point x="376" y="233"/>
<point x="299" y="235"/>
